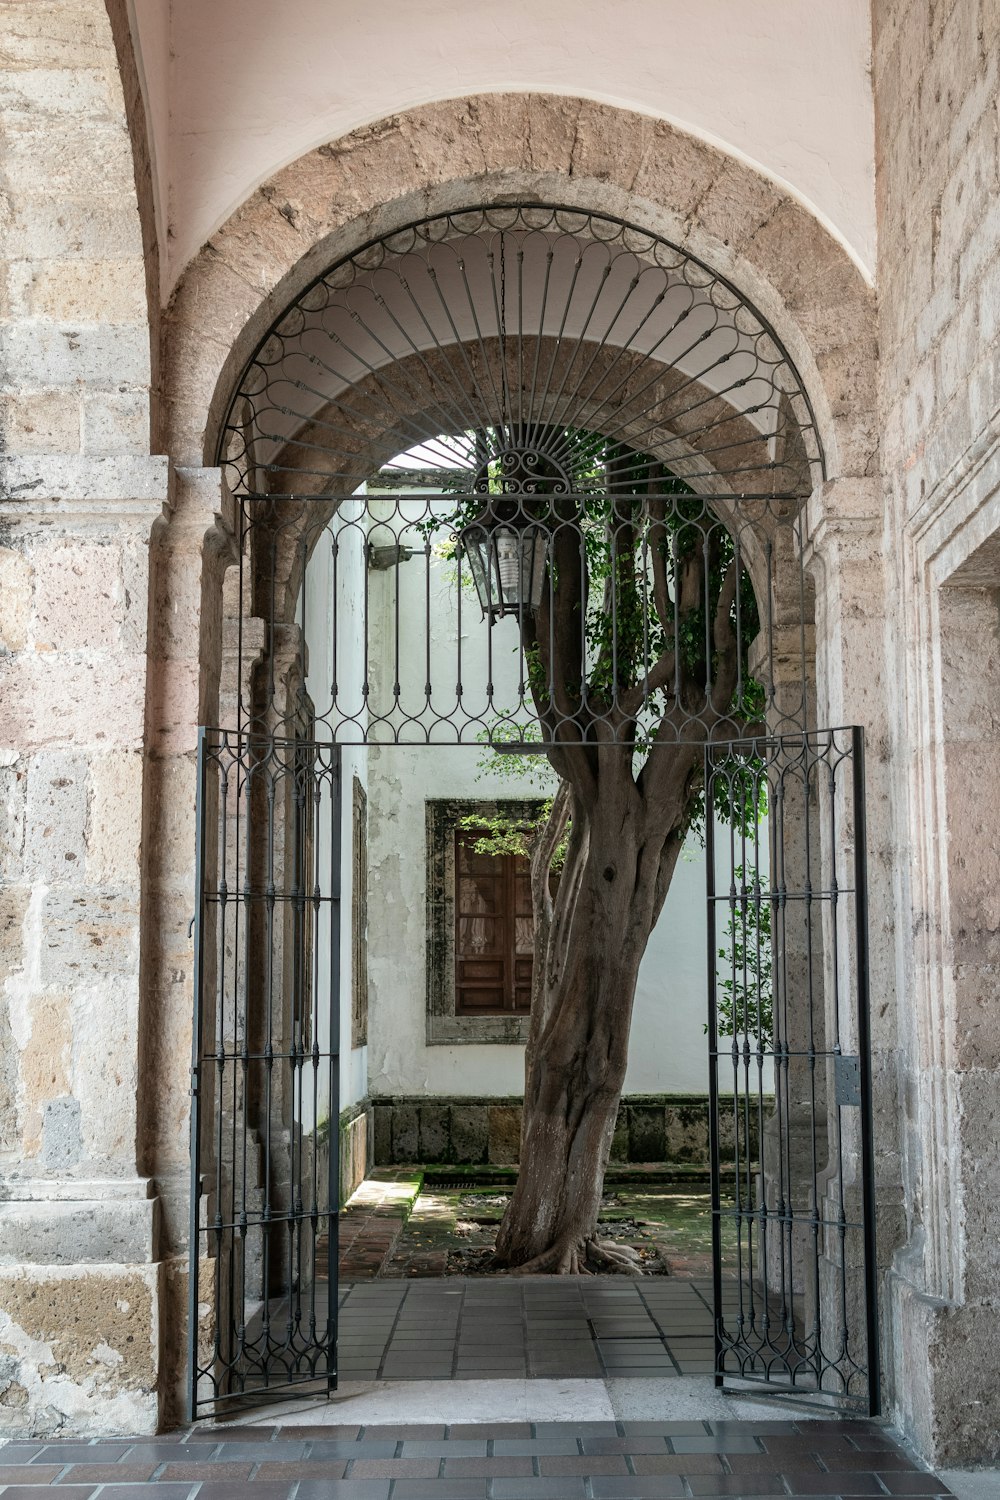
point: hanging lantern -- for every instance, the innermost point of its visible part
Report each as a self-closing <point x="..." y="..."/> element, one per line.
<point x="507" y="562"/>
<point x="507" y="543"/>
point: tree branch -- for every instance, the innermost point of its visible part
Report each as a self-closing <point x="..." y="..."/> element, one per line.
<point x="657" y="547"/>
<point x="657" y="677"/>
<point x="545" y="848"/>
<point x="726" y="644"/>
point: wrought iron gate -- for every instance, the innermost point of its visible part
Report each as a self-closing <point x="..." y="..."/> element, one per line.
<point x="264" y="1139"/>
<point x="790" y="1075"/>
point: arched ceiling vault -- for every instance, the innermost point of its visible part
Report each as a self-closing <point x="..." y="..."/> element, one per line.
<point x="321" y="208"/>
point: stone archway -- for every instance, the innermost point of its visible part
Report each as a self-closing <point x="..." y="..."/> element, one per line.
<point x="445" y="155"/>
<point x="469" y="151"/>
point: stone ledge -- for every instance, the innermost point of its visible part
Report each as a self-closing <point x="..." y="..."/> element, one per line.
<point x="373" y="1220"/>
<point x="34" y="485"/>
<point x="79" y="1231"/>
<point x="75" y="1189"/>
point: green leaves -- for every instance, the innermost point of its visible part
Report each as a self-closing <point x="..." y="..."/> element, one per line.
<point x="744" y="999"/>
<point x="502" y="834"/>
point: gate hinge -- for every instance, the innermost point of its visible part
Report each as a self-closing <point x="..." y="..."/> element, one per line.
<point x="847" y="1076"/>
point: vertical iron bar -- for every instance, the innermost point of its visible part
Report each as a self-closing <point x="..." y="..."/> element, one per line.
<point x="194" y="1239"/>
<point x="333" y="1184"/>
<point x="865" y="1062"/>
<point x="713" y="1080"/>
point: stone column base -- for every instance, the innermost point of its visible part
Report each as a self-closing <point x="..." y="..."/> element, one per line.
<point x="81" y="1293"/>
<point x="945" y="1395"/>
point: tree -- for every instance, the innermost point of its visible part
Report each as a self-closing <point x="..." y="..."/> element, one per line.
<point x="636" y="655"/>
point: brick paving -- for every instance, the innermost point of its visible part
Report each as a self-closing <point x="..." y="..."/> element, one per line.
<point x="373" y="1219"/>
<point x="481" y="1461"/>
<point x="566" y="1327"/>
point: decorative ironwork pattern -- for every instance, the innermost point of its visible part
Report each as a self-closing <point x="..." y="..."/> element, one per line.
<point x="610" y="619"/>
<point x="790" y="1067"/>
<point x="475" y="331"/>
<point x="556" y="416"/>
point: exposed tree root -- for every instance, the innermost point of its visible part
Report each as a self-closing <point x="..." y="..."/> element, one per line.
<point x="620" y="1258"/>
<point x="561" y="1259"/>
<point x="580" y="1257"/>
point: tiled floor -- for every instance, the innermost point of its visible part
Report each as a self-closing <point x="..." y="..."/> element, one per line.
<point x="526" y="1461"/>
<point x="537" y="1326"/>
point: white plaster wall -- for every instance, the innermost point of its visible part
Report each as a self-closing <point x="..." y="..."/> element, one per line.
<point x="668" y="1048"/>
<point x="319" y="610"/>
<point x="248" y="86"/>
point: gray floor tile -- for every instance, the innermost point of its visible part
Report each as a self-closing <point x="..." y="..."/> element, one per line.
<point x="728" y="1442"/>
<point x="82" y="1453"/>
<point x="631" y="1487"/>
<point x="453" y="1447"/>
<point x="538" y="1489"/>
<point x="474" y="1488"/>
<point x="344" y="1448"/>
<point x="550" y="1447"/>
<point x="334" y="1489"/>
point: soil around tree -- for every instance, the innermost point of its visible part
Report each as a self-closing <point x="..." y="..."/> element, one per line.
<point x="451" y="1231"/>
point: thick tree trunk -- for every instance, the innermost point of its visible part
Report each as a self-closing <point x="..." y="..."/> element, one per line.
<point x="617" y="870"/>
<point x="626" y="834"/>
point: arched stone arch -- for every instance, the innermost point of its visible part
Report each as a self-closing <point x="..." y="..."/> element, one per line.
<point x="496" y="148"/>
<point x="442" y="157"/>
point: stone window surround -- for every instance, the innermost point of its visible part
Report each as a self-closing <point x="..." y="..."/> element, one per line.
<point x="444" y="1027"/>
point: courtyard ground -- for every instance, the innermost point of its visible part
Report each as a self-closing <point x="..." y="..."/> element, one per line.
<point x="420" y="1222"/>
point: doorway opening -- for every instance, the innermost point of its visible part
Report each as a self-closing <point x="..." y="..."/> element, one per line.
<point x="520" y="612"/>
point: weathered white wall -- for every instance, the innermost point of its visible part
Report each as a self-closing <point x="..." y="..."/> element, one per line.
<point x="668" y="1051"/>
<point x="668" y="1047"/>
<point x="253" y="85"/>
<point x="320" y="602"/>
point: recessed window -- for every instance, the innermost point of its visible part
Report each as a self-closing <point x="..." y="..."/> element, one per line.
<point x="493" y="930"/>
<point x="479" y="925"/>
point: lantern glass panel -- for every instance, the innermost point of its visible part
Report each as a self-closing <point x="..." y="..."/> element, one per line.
<point x="507" y="567"/>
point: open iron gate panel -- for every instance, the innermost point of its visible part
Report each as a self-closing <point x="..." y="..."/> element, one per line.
<point x="264" y="1139"/>
<point x="790" y="1074"/>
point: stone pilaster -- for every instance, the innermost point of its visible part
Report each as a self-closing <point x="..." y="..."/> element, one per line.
<point x="80" y="1255"/>
<point x="845" y="528"/>
<point x="192" y="551"/>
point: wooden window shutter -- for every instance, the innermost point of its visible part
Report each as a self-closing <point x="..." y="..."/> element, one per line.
<point x="359" y="915"/>
<point x="493" y="931"/>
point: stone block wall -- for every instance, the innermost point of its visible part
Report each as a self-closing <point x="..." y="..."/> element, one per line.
<point x="937" y="80"/>
<point x="668" y="1128"/>
<point x="81" y="1276"/>
<point x="75" y="335"/>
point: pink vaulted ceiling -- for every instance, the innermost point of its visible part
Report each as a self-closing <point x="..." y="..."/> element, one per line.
<point x="237" y="88"/>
